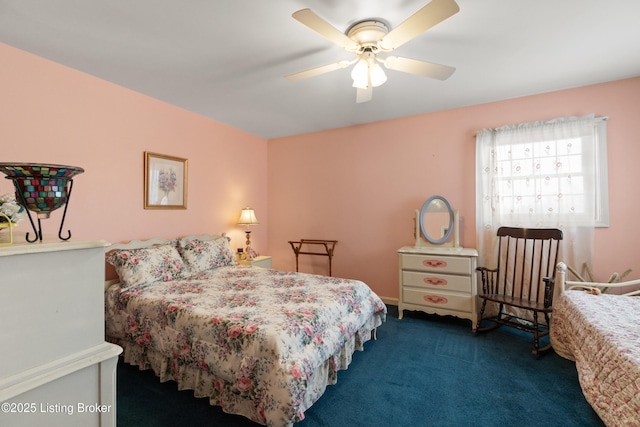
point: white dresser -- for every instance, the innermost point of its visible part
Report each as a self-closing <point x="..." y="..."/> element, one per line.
<point x="439" y="281"/>
<point x="56" y="369"/>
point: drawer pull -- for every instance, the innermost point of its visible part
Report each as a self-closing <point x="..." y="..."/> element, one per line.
<point x="434" y="299"/>
<point x="434" y="281"/>
<point x="435" y="263"/>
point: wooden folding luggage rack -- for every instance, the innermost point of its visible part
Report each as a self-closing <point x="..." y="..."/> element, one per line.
<point x="328" y="246"/>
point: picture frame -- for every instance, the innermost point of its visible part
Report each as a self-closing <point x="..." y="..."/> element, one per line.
<point x="165" y="181"/>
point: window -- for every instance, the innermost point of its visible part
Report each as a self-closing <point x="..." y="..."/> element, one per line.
<point x="543" y="174"/>
<point x="547" y="173"/>
<point x="602" y="174"/>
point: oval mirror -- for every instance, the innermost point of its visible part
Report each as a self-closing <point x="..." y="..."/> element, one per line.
<point x="436" y="220"/>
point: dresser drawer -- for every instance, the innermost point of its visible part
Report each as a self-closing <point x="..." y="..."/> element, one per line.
<point x="436" y="281"/>
<point x="445" y="264"/>
<point x="432" y="298"/>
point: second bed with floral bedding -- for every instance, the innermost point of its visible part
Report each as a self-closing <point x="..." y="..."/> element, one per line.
<point x="600" y="333"/>
<point x="258" y="342"/>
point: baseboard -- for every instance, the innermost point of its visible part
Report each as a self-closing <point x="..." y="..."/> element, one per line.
<point x="389" y="301"/>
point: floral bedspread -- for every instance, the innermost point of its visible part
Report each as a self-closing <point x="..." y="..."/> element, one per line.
<point x="601" y="333"/>
<point x="257" y="342"/>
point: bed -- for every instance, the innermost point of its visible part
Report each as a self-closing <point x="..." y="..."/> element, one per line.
<point x="601" y="333"/>
<point x="257" y="342"/>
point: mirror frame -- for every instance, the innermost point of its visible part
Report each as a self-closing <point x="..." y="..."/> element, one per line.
<point x="446" y="236"/>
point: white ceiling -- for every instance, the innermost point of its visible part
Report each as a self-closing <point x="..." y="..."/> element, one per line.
<point x="225" y="59"/>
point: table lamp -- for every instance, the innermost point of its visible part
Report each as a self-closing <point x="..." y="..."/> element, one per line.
<point x="248" y="218"/>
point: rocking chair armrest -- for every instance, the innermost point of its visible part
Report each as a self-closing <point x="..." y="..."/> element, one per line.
<point x="487" y="270"/>
<point x="549" y="285"/>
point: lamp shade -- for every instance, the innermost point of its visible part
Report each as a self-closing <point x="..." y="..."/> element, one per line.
<point x="360" y="74"/>
<point x="376" y="75"/>
<point x="248" y="217"/>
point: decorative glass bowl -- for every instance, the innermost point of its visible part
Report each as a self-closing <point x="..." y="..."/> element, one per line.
<point x="43" y="187"/>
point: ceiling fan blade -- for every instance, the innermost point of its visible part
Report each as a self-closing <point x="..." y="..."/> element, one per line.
<point x="427" y="17"/>
<point x="364" y="95"/>
<point x="310" y="19"/>
<point x="317" y="71"/>
<point x="421" y="68"/>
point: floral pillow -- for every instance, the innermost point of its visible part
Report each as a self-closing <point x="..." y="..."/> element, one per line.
<point x="201" y="255"/>
<point x="148" y="265"/>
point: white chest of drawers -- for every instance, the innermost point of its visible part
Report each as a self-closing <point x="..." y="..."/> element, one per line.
<point x="57" y="369"/>
<point x="438" y="281"/>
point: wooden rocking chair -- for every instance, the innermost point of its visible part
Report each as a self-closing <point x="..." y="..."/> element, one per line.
<point x="522" y="283"/>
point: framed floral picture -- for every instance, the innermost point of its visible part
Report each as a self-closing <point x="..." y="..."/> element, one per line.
<point x="165" y="181"/>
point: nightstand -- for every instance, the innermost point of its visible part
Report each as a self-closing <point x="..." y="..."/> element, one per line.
<point x="259" y="261"/>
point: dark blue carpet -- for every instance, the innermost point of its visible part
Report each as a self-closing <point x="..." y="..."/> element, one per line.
<point x="422" y="371"/>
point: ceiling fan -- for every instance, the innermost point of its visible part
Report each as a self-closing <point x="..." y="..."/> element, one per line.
<point x="368" y="38"/>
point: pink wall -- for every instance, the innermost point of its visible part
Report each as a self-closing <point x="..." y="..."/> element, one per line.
<point x="360" y="185"/>
<point x="53" y="114"/>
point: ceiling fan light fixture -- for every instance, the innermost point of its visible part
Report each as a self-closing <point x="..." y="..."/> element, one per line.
<point x="369" y="37"/>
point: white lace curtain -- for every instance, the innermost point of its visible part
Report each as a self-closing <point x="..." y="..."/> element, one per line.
<point x="538" y="174"/>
